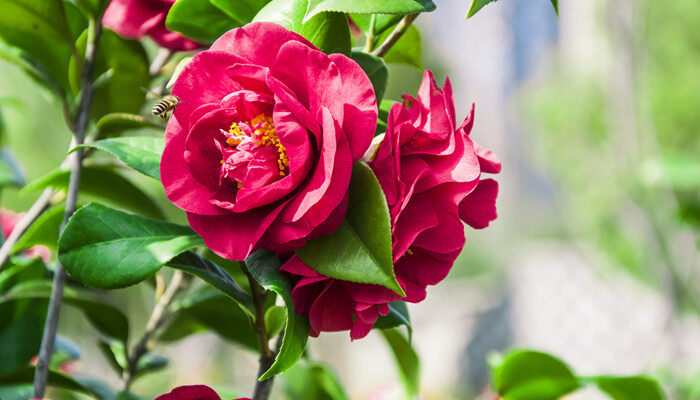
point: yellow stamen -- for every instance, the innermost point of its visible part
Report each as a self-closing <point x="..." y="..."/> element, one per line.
<point x="409" y="252"/>
<point x="265" y="133"/>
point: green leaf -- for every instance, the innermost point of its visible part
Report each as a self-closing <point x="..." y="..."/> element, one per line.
<point x="407" y="49"/>
<point x="40" y="17"/>
<point x="477" y="5"/>
<point x="313" y="381"/>
<point x="376" y="70"/>
<point x="384" y="109"/>
<point x="21" y="323"/>
<point x="199" y="20"/>
<point x="382" y="22"/>
<point x="398" y="315"/>
<point x="116" y="123"/>
<point x="141" y="153"/>
<point x="32" y="67"/>
<point x="124" y="71"/>
<point x="104" y="317"/>
<point x="329" y="32"/>
<point x="241" y="11"/>
<point x="55" y="379"/>
<point x="115" y="354"/>
<point x="407" y="361"/>
<point x="215" y="276"/>
<point x="369" y="6"/>
<point x="264" y="267"/>
<point x="360" y="249"/>
<point x="630" y="387"/>
<point x="275" y="317"/>
<point x="150" y="363"/>
<point x="44" y="231"/>
<point x="10" y="173"/>
<point x="101" y="183"/>
<point x="555" y="3"/>
<point x="105" y="248"/>
<point x="531" y="375"/>
<point x="64" y="352"/>
<point x="208" y="309"/>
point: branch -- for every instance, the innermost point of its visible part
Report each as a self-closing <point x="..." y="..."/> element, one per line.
<point x="267" y="356"/>
<point x="395" y="35"/>
<point x="51" y="325"/>
<point x="371" y="34"/>
<point x="156" y="320"/>
<point x="159" y="61"/>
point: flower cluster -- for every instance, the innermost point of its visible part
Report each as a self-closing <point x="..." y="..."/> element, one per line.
<point x="260" y="154"/>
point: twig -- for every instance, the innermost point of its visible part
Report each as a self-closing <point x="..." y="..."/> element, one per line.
<point x="156" y="320"/>
<point x="395" y="35"/>
<point x="159" y="61"/>
<point x="51" y="324"/>
<point x="262" y="389"/>
<point x="370" y="35"/>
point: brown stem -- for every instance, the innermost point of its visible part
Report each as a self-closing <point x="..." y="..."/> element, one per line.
<point x="51" y="325"/>
<point x="262" y="389"/>
<point x="395" y="35"/>
<point x="158" y="317"/>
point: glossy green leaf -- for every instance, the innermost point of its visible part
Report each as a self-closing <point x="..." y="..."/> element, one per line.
<point x="115" y="123"/>
<point x="275" y="318"/>
<point x="241" y="11"/>
<point x="141" y="153"/>
<point x="207" y="309"/>
<point x="113" y="351"/>
<point x="105" y="318"/>
<point x="122" y="70"/>
<point x="150" y="363"/>
<point x="32" y="67"/>
<point x="382" y="22"/>
<point x="55" y="379"/>
<point x="376" y="70"/>
<point x="360" y="249"/>
<point x="407" y="50"/>
<point x="330" y="32"/>
<point x="398" y="315"/>
<point x="10" y="173"/>
<point x="369" y="6"/>
<point x="630" y="387"/>
<point x="215" y="276"/>
<point x="105" y="248"/>
<point x="407" y="361"/>
<point x="531" y="375"/>
<point x="44" y="231"/>
<point x="22" y="324"/>
<point x="40" y="17"/>
<point x="476" y="6"/>
<point x="104" y="184"/>
<point x="555" y="3"/>
<point x="313" y="381"/>
<point x="264" y="267"/>
<point x="199" y="20"/>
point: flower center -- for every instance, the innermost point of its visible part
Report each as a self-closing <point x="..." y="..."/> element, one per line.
<point x="261" y="130"/>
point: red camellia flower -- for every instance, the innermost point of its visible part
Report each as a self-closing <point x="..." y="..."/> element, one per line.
<point x="194" y="392"/>
<point x="430" y="171"/>
<point x="139" y="18"/>
<point x="260" y="150"/>
<point x="8" y="221"/>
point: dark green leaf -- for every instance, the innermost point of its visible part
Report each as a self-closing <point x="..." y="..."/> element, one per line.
<point x="104" y="317"/>
<point x="384" y="109"/>
<point x="360" y="250"/>
<point x="208" y="309"/>
<point x="123" y="70"/>
<point x="116" y="123"/>
<point x="10" y="173"/>
<point x="199" y="20"/>
<point x="531" y="375"/>
<point x="40" y="17"/>
<point x="476" y="6"/>
<point x="21" y="323"/>
<point x="330" y="32"/>
<point x="105" y="248"/>
<point x="407" y="50"/>
<point x="241" y="11"/>
<point x="17" y="392"/>
<point x="214" y="276"/>
<point x="376" y="70"/>
<point x="407" y="361"/>
<point x="101" y="183"/>
<point x="150" y="363"/>
<point x="555" y="3"/>
<point x="398" y="315"/>
<point x="630" y="387"/>
<point x="55" y="379"/>
<point x="115" y="354"/>
<point x="264" y="267"/>
<point x="44" y="231"/>
<point x="141" y="153"/>
<point x="370" y="6"/>
<point x="64" y="352"/>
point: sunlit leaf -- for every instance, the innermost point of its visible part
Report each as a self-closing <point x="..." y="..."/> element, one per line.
<point x="141" y="153"/>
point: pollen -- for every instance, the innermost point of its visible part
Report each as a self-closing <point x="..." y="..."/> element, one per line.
<point x="265" y="134"/>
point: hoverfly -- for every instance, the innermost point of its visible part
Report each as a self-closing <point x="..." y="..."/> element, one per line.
<point x="165" y="106"/>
